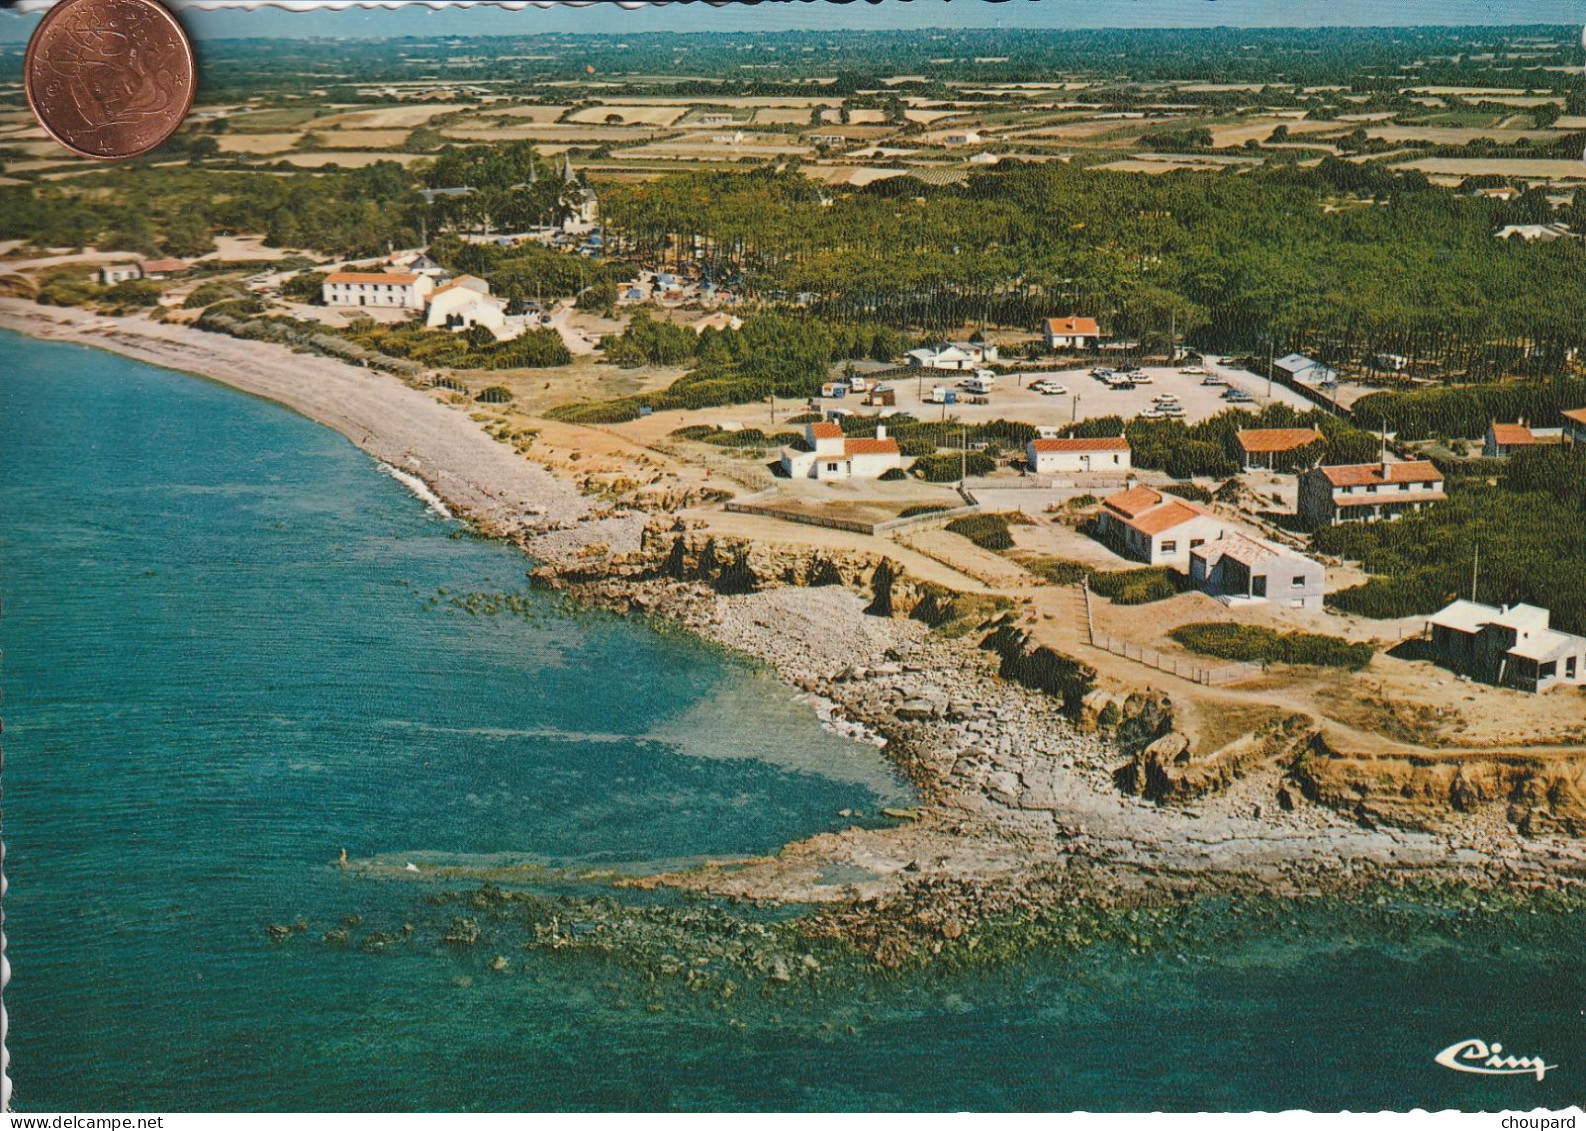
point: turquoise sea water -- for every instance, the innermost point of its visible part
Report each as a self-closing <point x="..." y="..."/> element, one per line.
<point x="228" y="656"/>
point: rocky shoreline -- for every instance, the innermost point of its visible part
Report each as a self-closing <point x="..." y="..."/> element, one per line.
<point x="1031" y="781"/>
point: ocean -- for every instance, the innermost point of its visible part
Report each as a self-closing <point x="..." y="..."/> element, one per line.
<point x="234" y="647"/>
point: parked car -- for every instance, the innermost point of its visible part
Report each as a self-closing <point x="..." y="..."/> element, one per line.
<point x="1192" y="371"/>
<point x="1050" y="389"/>
<point x="1100" y="372"/>
<point x="1213" y="379"/>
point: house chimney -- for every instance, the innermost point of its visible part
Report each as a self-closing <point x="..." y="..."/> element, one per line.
<point x="881" y="431"/>
<point x="1130" y="481"/>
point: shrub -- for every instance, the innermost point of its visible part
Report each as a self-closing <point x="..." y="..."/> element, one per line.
<point x="1058" y="571"/>
<point x="494" y="394"/>
<point x="945" y="468"/>
<point x="206" y="294"/>
<point x="742" y="438"/>
<point x="1138" y="586"/>
<point x="305" y="286"/>
<point x="988" y="531"/>
<point x="1256" y="644"/>
<point x="132" y="294"/>
<point x="893" y="474"/>
<point x="1194" y="492"/>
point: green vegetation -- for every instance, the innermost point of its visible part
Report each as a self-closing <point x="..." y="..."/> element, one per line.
<point x="1465" y="411"/>
<point x="535" y="349"/>
<point x="207" y="294"/>
<point x="175" y="209"/>
<point x="1141" y="586"/>
<point x="1255" y="644"/>
<point x="922" y="508"/>
<point x="646" y="341"/>
<point x="1202" y="449"/>
<point x="494" y="394"/>
<point x="949" y="467"/>
<point x="1057" y="571"/>
<point x="988" y="531"/>
<point x="1531" y="529"/>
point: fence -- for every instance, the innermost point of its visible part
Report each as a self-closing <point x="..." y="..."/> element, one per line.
<point x="1188" y="669"/>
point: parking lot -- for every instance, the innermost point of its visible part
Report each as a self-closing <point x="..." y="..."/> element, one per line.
<point x="1086" y="397"/>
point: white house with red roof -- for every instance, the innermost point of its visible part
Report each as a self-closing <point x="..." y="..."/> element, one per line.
<point x="1574" y="430"/>
<point x="832" y="455"/>
<point x="404" y="290"/>
<point x="1072" y="333"/>
<point x="1504" y="440"/>
<point x="1275" y="448"/>
<point x="1144" y="524"/>
<point x="1050" y="455"/>
<point x="1367" y="492"/>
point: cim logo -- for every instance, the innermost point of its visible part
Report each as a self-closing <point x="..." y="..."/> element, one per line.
<point x="1480" y="1058"/>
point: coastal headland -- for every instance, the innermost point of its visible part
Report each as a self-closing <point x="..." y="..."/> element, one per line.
<point x="1041" y="777"/>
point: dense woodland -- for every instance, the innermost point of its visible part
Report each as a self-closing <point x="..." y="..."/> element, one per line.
<point x="1335" y="260"/>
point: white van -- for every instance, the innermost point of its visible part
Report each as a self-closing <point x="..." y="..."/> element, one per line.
<point x="977" y="385"/>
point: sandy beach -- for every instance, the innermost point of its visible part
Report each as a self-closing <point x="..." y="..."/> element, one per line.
<point x="1014" y="793"/>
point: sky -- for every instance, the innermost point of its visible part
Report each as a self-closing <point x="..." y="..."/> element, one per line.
<point x="888" y="14"/>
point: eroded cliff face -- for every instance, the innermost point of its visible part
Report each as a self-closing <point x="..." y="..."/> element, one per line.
<point x="683" y="570"/>
<point x="1540" y="795"/>
<point x="1168" y="771"/>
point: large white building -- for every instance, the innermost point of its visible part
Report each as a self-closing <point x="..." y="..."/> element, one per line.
<point x="1047" y="456"/>
<point x="1366" y="492"/>
<point x="955" y="356"/>
<point x="1512" y="646"/>
<point x="404" y="290"/>
<point x="1154" y="528"/>
<point x="832" y="455"/>
<point x="464" y="303"/>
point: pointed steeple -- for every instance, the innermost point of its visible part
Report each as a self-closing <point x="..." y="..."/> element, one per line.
<point x="568" y="175"/>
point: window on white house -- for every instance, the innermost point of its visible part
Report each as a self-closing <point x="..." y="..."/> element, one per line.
<point x="1299" y="582"/>
<point x="1170" y="547"/>
<point x="831" y="467"/>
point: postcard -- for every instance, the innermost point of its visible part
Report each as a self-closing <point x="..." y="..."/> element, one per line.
<point x="883" y="558"/>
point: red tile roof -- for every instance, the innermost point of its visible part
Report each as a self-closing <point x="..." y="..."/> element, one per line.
<point x="1364" y="474"/>
<point x="1072" y="326"/>
<point x="1277" y="439"/>
<point x="162" y="266"/>
<point x="1578" y="415"/>
<point x="399" y="278"/>
<point x="1098" y="444"/>
<point x="870" y="446"/>
<point x="1133" y="502"/>
<point x="1166" y="517"/>
<point x="1511" y="435"/>
<point x="826" y="430"/>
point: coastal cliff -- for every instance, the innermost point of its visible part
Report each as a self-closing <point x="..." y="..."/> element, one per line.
<point x="1025" y="766"/>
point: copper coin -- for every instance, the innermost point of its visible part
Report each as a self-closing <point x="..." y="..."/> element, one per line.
<point x="109" y="78"/>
